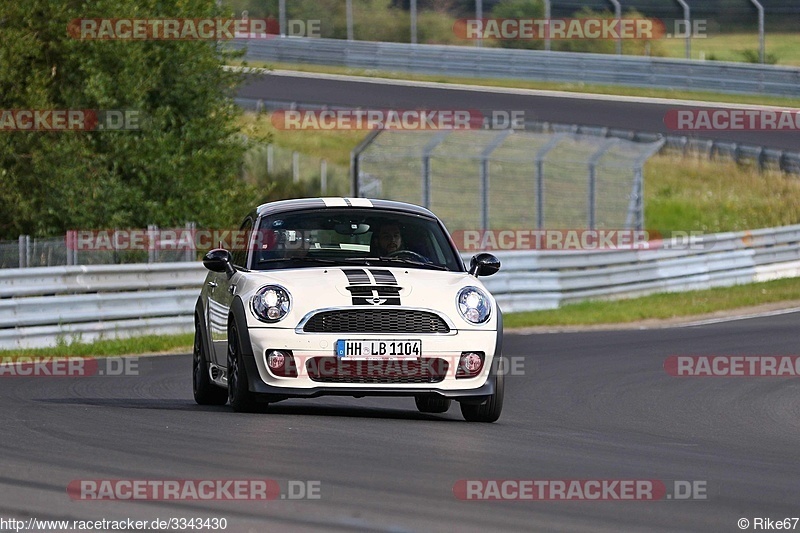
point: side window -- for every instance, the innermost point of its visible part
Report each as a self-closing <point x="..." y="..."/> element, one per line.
<point x="242" y="243"/>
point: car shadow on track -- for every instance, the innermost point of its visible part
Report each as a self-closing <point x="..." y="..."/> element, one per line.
<point x="275" y="409"/>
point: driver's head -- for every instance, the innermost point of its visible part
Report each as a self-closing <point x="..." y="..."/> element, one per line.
<point x="389" y="238"/>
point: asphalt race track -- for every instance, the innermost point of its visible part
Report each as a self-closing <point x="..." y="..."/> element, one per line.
<point x="593" y="405"/>
<point x="597" y="110"/>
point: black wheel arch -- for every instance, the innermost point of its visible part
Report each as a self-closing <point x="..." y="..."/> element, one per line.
<point x="199" y="318"/>
<point x="238" y="318"/>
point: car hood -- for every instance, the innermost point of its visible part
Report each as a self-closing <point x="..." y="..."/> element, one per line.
<point x="317" y="288"/>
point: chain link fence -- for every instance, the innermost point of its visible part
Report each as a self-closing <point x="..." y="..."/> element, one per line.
<point x="482" y="179"/>
<point x="110" y="247"/>
<point x="267" y="163"/>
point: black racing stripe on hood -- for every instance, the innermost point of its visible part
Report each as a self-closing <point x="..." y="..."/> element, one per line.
<point x="357" y="276"/>
<point x="383" y="277"/>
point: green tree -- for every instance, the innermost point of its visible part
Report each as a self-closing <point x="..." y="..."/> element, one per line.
<point x="520" y="9"/>
<point x="183" y="164"/>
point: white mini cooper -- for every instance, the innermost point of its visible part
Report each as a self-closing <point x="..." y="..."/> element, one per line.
<point x="348" y="296"/>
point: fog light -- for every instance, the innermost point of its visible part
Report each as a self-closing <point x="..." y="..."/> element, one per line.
<point x="276" y="359"/>
<point x="281" y="363"/>
<point x="470" y="364"/>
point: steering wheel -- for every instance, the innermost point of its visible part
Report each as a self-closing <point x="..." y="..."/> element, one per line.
<point x="409" y="255"/>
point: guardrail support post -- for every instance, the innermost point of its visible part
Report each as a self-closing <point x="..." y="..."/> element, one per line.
<point x="69" y="241"/>
<point x="688" y="21"/>
<point x="761" y="43"/>
<point x="618" y="15"/>
<point x="547" y="22"/>
<point x="191" y="251"/>
<point x="413" y="21"/>
<point x="349" y="10"/>
<point x="479" y="16"/>
<point x="22" y="254"/>
<point x="152" y="243"/>
<point x="282" y="17"/>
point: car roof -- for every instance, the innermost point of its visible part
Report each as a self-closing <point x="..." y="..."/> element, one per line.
<point x="298" y="204"/>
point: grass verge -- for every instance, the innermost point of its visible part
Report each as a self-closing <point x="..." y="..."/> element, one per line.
<point x="659" y="306"/>
<point x="615" y="90"/>
<point x="110" y="347"/>
<point x="695" y="193"/>
<point x="785" y="47"/>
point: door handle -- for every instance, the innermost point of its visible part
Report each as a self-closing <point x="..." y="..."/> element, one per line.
<point x="212" y="284"/>
<point x="232" y="289"/>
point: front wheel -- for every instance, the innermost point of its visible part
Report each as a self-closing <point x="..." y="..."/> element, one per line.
<point x="488" y="411"/>
<point x="239" y="395"/>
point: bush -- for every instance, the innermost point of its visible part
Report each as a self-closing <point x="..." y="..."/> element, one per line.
<point x="182" y="165"/>
<point x="754" y="56"/>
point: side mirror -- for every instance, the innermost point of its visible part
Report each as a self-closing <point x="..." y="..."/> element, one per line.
<point x="483" y="265"/>
<point x="219" y="260"/>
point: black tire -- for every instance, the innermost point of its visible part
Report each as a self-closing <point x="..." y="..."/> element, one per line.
<point x="431" y="403"/>
<point x="205" y="392"/>
<point x="488" y="411"/>
<point x="239" y="395"/>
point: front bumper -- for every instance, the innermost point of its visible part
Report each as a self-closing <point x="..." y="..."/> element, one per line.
<point x="305" y="347"/>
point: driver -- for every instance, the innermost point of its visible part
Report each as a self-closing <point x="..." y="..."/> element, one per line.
<point x="390" y="239"/>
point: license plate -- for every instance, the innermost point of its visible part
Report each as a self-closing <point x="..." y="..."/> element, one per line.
<point x="383" y="349"/>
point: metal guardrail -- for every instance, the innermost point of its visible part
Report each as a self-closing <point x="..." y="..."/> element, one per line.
<point x="547" y="279"/>
<point x="486" y="62"/>
<point x="39" y="306"/>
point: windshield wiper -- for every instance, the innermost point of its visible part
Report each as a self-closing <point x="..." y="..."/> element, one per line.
<point x="299" y="260"/>
<point x="350" y="260"/>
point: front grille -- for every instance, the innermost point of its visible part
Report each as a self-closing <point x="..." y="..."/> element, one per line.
<point x="335" y="370"/>
<point x="376" y="321"/>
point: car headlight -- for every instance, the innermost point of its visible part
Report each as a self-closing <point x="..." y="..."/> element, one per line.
<point x="271" y="303"/>
<point x="474" y="305"/>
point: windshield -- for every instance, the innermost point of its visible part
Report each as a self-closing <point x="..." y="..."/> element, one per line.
<point x="352" y="236"/>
